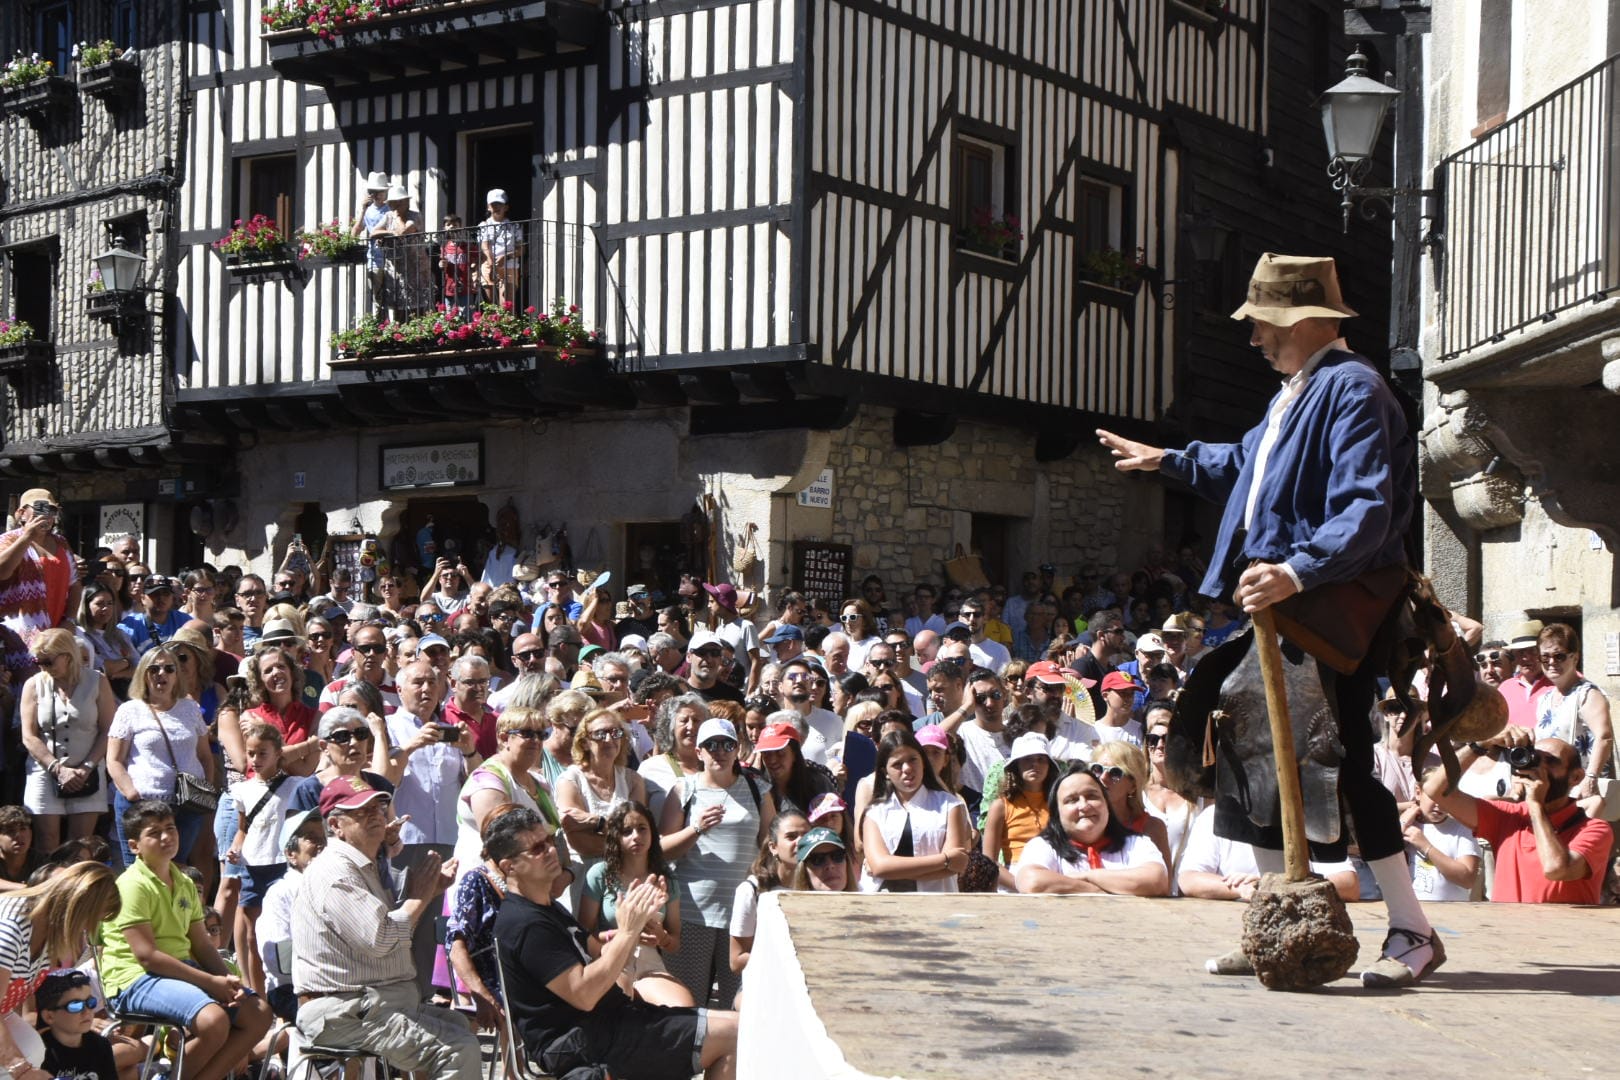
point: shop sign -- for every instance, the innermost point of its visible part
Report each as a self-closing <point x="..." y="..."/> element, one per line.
<point x="121" y="519"/>
<point x="430" y="465"/>
<point x="819" y="493"/>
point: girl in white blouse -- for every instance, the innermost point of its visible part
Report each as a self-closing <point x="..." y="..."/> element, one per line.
<point x="915" y="834"/>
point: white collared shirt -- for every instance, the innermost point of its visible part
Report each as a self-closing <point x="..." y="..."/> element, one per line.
<point x="1293" y="386"/>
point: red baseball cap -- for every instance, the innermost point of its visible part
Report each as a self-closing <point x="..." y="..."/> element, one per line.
<point x="1118" y="680"/>
<point x="348" y="793"/>
<point x="1045" y="671"/>
<point x="776" y="737"/>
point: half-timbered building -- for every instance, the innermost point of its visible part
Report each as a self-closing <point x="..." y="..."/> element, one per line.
<point x="865" y="271"/>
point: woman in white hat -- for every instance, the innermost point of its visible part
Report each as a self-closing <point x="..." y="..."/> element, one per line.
<point x="501" y="244"/>
<point x="366" y="224"/>
<point x="409" y="286"/>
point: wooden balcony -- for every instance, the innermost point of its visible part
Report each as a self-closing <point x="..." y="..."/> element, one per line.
<point x="432" y="35"/>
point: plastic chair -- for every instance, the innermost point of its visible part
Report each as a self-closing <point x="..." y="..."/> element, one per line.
<point x="310" y="1054"/>
<point x="161" y="1030"/>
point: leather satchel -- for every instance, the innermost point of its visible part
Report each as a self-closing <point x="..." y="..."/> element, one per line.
<point x="1336" y="623"/>
<point x="191" y="793"/>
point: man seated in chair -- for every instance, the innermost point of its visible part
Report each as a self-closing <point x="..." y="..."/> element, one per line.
<point x="569" y="1012"/>
<point x="352" y="947"/>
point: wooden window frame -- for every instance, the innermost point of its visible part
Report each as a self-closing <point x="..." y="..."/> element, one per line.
<point x="62" y="58"/>
<point x="981" y="141"/>
<point x="285" y="212"/>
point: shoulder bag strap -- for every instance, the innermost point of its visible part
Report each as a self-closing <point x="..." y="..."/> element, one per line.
<point x="174" y="761"/>
<point x="270" y="791"/>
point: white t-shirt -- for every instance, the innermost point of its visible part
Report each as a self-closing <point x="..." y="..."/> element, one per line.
<point x="859" y="649"/>
<point x="275" y="924"/>
<point x="916" y="700"/>
<point x="824" y="731"/>
<point x="262" y="845"/>
<point x="1450" y="838"/>
<point x="1137" y="850"/>
<point x="1074" y="740"/>
<point x="984" y="749"/>
<point x="990" y="654"/>
<point x="1211" y="854"/>
<point x="743" y="637"/>
<point x="745" y="908"/>
<point x="1130" y="731"/>
<point x="498" y="566"/>
<point x="659" y="776"/>
<point x="150" y="767"/>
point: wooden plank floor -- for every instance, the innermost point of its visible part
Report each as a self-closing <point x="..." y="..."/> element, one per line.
<point x="1007" y="987"/>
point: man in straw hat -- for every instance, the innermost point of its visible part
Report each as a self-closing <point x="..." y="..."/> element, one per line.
<point x="1319" y="494"/>
<point x="369" y="220"/>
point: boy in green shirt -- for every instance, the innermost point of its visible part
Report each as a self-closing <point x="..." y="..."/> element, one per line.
<point x="159" y="960"/>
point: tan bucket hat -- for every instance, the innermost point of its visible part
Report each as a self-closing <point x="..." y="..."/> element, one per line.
<point x="1287" y="288"/>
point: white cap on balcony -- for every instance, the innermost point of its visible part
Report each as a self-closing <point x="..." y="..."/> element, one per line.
<point x="377" y="181"/>
<point x="497" y="195"/>
<point x="399" y="191"/>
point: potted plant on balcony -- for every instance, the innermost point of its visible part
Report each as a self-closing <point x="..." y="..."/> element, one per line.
<point x="448" y="331"/>
<point x="992" y="234"/>
<point x="98" y="302"/>
<point x="333" y="242"/>
<point x="29" y="86"/>
<point x="324" y="18"/>
<point x="19" y="348"/>
<point x="255" y="249"/>
<point x="1114" y="269"/>
<point x="106" y="71"/>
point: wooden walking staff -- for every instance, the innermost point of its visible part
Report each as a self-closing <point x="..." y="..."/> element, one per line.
<point x="1296" y="931"/>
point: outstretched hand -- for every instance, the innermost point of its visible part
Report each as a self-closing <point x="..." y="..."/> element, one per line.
<point x="1128" y="455"/>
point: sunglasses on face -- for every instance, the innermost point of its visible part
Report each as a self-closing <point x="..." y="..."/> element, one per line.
<point x="79" y="1006"/>
<point x="985" y="699"/>
<point x="708" y="652"/>
<point x="372" y="649"/>
<point x="1107" y="772"/>
<point x="820" y="860"/>
<point x="541" y="847"/>
<point x="1487" y="658"/>
<point x="1554" y="657"/>
<point x="252" y="594"/>
<point x="882" y="665"/>
<point x="348" y="735"/>
<point x="607" y="736"/>
<point x="1155" y="740"/>
<point x="528" y="654"/>
<point x="321" y="636"/>
<point x="528" y="733"/>
<point x="721" y="746"/>
<point x="853" y="617"/>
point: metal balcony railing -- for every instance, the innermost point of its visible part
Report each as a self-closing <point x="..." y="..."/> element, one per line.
<point x="525" y="263"/>
<point x="1530" y="217"/>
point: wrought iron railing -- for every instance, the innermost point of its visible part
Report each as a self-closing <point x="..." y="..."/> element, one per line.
<point x="524" y="263"/>
<point x="1530" y="217"/>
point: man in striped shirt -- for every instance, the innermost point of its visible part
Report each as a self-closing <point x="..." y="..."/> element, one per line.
<point x="352" y="948"/>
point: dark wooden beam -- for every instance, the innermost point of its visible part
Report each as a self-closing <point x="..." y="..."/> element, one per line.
<point x="922" y="429"/>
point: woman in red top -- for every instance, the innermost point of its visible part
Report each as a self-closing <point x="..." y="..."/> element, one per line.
<point x="39" y="578"/>
<point x="273" y="677"/>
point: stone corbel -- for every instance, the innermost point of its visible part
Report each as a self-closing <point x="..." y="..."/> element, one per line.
<point x="1459" y="463"/>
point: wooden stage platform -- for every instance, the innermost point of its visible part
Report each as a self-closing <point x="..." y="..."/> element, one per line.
<point x="1007" y="987"/>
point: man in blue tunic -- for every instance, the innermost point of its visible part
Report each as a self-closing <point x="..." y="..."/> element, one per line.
<point x="1318" y="494"/>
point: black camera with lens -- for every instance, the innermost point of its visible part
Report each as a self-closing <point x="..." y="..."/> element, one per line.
<point x="43" y="508"/>
<point x="1524" y="758"/>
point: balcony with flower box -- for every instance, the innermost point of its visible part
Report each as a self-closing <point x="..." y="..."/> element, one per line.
<point x="40" y="97"/>
<point x="320" y="42"/>
<point x="20" y="350"/>
<point x="109" y="73"/>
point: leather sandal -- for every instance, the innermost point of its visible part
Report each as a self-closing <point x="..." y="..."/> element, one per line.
<point x="1391" y="971"/>
<point x="1232" y="963"/>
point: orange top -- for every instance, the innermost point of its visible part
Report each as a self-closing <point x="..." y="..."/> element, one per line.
<point x="1026" y="817"/>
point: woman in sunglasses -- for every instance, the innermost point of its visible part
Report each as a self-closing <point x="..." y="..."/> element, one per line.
<point x="713" y="824"/>
<point x="1161" y="800"/>
<point x="42" y="928"/>
<point x="823" y="863"/>
<point x="322" y="638"/>
<point x="597" y="781"/>
<point x="859" y="623"/>
<point x="354" y="744"/>
<point x="1573" y="708"/>
<point x="509" y="775"/>
<point x="156" y="735"/>
<point x="67" y="707"/>
<point x="1085" y="848"/>
<point x="1123" y="769"/>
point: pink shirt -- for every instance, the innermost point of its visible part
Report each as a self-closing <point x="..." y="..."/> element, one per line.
<point x="1521" y="699"/>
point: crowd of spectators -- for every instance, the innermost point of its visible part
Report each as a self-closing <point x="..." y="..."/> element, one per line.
<point x="416" y="790"/>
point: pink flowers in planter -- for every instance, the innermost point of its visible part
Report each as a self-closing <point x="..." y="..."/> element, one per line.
<point x="257" y="237"/>
<point x="493" y="326"/>
<point x="326" y="19"/>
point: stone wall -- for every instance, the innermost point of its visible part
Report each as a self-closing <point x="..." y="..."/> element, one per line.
<point x="904" y="509"/>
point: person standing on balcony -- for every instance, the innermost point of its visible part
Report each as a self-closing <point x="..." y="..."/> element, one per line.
<point x="370" y="219"/>
<point x="501" y="244"/>
<point x="409" y="288"/>
<point x="456" y="264"/>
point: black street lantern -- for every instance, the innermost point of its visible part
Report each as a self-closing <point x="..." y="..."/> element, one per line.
<point x="1353" y="112"/>
<point x="120" y="269"/>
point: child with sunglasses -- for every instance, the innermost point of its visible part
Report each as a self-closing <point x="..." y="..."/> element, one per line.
<point x="67" y="1010"/>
